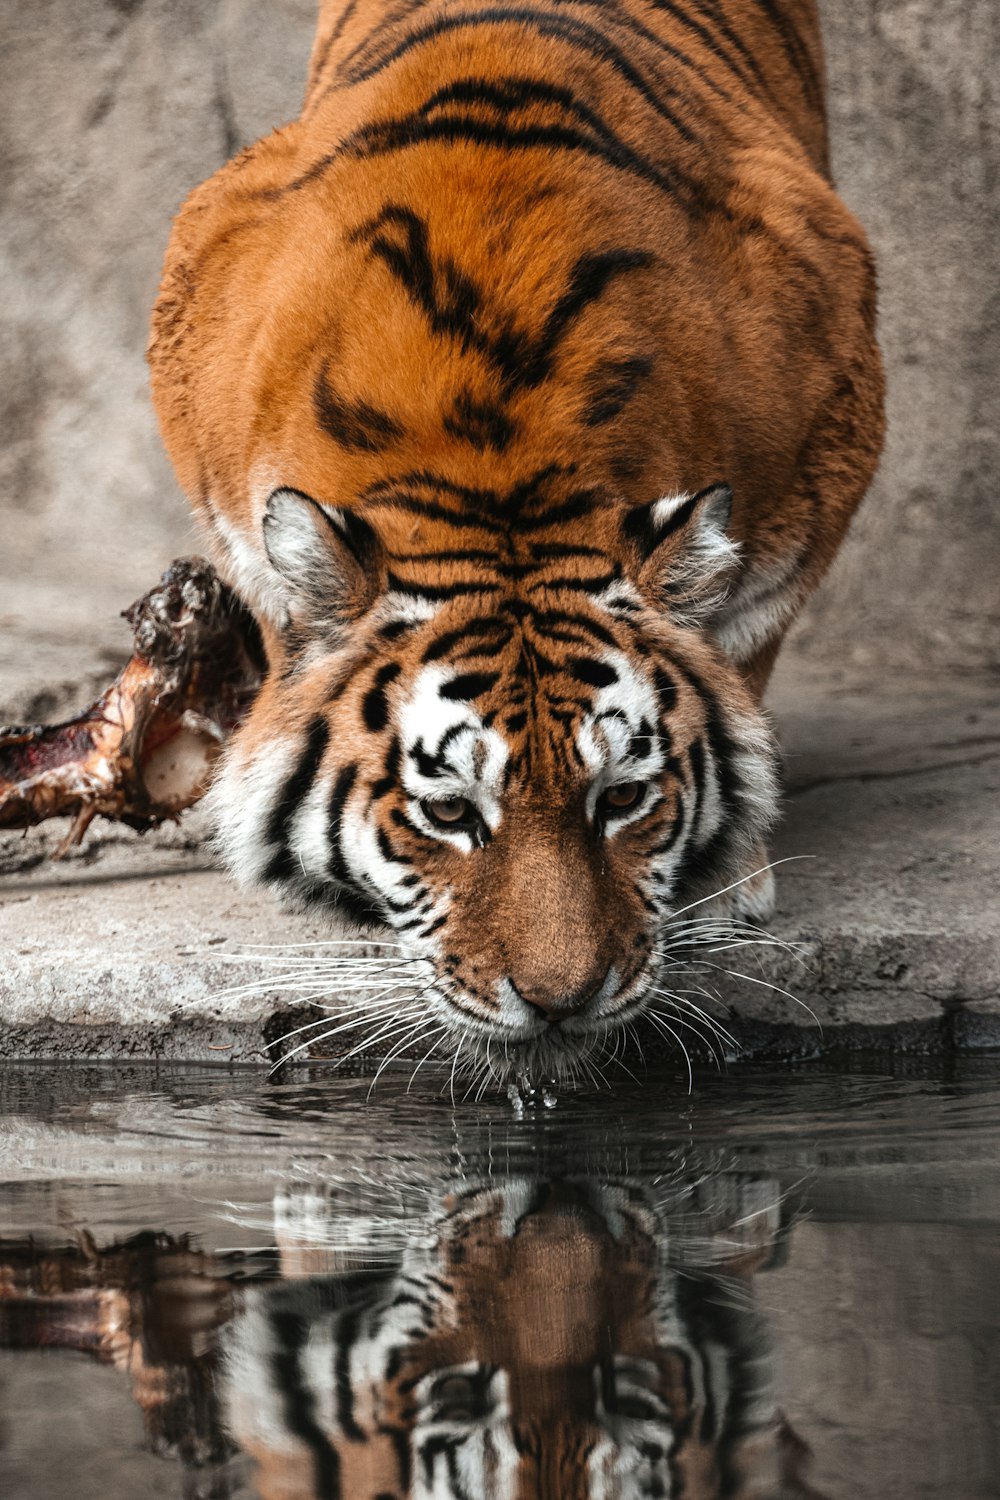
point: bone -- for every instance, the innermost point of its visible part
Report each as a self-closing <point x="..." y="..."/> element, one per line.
<point x="145" y="750"/>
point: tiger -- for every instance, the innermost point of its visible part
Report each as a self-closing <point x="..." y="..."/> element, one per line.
<point x="525" y="387"/>
<point x="540" y="1338"/>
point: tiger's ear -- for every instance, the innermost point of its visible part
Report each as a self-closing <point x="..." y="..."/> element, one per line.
<point x="685" y="554"/>
<point x="329" y="559"/>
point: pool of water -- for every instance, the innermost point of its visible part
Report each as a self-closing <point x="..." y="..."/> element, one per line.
<point x="782" y="1284"/>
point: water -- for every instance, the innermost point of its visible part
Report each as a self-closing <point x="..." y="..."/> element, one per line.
<point x="786" y="1284"/>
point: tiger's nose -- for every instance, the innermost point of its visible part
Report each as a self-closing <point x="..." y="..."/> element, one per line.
<point x="553" y="1006"/>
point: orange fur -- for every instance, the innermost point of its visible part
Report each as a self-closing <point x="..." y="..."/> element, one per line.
<point x="757" y="313"/>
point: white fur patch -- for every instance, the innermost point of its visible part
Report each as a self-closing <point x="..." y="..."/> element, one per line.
<point x="251" y="573"/>
<point x="710" y="811"/>
<point x="473" y="757"/>
<point x="408" y="608"/>
<point x="291" y="535"/>
<point x="699" y="576"/>
<point x="309" y="831"/>
<point x="667" y="506"/>
<point x="758" y="609"/>
<point x="605" y="737"/>
<point x="239" y="803"/>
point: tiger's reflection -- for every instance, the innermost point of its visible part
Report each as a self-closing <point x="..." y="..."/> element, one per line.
<point x="550" y="1339"/>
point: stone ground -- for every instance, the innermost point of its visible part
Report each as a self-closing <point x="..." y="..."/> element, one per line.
<point x="128" y="946"/>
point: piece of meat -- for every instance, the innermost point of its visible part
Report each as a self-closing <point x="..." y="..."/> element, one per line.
<point x="145" y="750"/>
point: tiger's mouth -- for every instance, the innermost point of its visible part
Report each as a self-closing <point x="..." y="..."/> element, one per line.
<point x="545" y="1053"/>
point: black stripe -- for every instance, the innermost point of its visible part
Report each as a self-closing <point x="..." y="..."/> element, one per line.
<point x="336" y="33"/>
<point x="623" y="21"/>
<point x="708" y="40"/>
<point x="565" y="637"/>
<point x="352" y="424"/>
<point x="796" y="50"/>
<point x="547" y="550"/>
<point x="359" y="909"/>
<point x="456" y="307"/>
<point x="578" y="585"/>
<point x="393" y="135"/>
<point x="342" y="788"/>
<point x="469" y="685"/>
<point x="594" y="673"/>
<point x="691" y="863"/>
<point x="573" y="636"/>
<point x="494" y="630"/>
<point x="389" y="136"/>
<point x="441" y="592"/>
<point x="700" y="862"/>
<point x="544" y="619"/>
<point x="433" y="511"/>
<point x="400" y="1439"/>
<point x="356" y="535"/>
<point x="676" y="829"/>
<point x="390" y="776"/>
<point x="579" y="503"/>
<point x="483" y="424"/>
<point x="292" y="1331"/>
<point x="611" y="386"/>
<point x="577" y="34"/>
<point x="401" y="820"/>
<point x="281" y="864"/>
<point x="375" y="703"/>
<point x="428" y="764"/>
<point x="666" y="690"/>
<point x="591" y="275"/>
<point x="483" y="509"/>
<point x="394" y="629"/>
<point x="347" y="1329"/>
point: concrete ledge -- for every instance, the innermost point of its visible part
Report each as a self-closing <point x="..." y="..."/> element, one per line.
<point x="124" y="949"/>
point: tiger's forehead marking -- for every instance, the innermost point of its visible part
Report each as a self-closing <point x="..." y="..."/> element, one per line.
<point x="622" y="729"/>
<point x="448" y="749"/>
<point x="455" y="746"/>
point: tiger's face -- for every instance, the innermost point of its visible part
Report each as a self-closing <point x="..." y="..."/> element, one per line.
<point x="511" y="756"/>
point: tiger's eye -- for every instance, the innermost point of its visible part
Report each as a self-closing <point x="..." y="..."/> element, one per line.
<point x="447" y="811"/>
<point x="625" y="795"/>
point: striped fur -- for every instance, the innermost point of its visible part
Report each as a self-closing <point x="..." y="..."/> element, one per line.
<point x="526" y="385"/>
<point x="536" y="1341"/>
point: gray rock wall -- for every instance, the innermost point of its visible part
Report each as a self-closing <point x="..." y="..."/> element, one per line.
<point x="915" y="117"/>
<point x="111" y="110"/>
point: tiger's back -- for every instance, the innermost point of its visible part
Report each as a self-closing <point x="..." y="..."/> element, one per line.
<point x="534" y="238"/>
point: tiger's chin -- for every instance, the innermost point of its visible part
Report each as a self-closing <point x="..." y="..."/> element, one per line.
<point x="548" y="1064"/>
<point x="534" y="1069"/>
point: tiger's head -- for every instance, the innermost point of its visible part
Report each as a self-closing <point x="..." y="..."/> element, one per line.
<point x="504" y="737"/>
